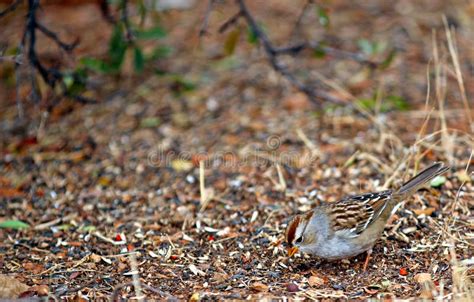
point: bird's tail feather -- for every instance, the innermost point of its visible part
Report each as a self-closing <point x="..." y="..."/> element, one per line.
<point x="420" y="179"/>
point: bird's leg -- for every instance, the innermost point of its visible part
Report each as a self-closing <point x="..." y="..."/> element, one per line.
<point x="369" y="252"/>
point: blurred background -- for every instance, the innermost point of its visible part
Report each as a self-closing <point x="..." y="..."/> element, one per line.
<point x="163" y="118"/>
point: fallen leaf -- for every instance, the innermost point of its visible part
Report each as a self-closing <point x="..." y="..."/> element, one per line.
<point x="181" y="165"/>
<point x="220" y="277"/>
<point x="41" y="290"/>
<point x="11" y="288"/>
<point x="260" y="287"/>
<point x="371" y="291"/>
<point x="438" y="181"/>
<point x="315" y="281"/>
<point x="427" y="211"/>
<point x="104" y="181"/>
<point x="10" y="193"/>
<point x="35" y="268"/>
<point x="195" y="270"/>
<point x="292" y="288"/>
<point x="194" y="297"/>
<point x="403" y="271"/>
<point x="95" y="258"/>
<point x="297" y="101"/>
<point x="422" y="277"/>
<point x="13" y="224"/>
<point x="463" y="176"/>
<point x="74" y="275"/>
<point x="427" y="285"/>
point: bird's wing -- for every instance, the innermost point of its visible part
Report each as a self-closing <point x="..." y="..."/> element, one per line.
<point x="353" y="214"/>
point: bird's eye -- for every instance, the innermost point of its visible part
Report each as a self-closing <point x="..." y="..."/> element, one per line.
<point x="299" y="240"/>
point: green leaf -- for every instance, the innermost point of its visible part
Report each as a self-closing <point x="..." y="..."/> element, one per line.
<point x="13" y="224"/>
<point x="366" y="46"/>
<point x="182" y="85"/>
<point x="438" y="181"/>
<point x="323" y="17"/>
<point x="150" y="122"/>
<point x="138" y="59"/>
<point x="142" y="10"/>
<point x="398" y="102"/>
<point x="89" y="228"/>
<point x="368" y="104"/>
<point x="117" y="48"/>
<point x="96" y="65"/>
<point x="390" y="103"/>
<point x="251" y="36"/>
<point x="154" y="33"/>
<point x="388" y="60"/>
<point x="68" y="81"/>
<point x="231" y="41"/>
<point x="319" y="52"/>
<point x="75" y="81"/>
<point x="160" y="52"/>
<point x="385" y="284"/>
<point x="64" y="227"/>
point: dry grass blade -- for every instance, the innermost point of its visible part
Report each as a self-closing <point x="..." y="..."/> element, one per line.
<point x="457" y="68"/>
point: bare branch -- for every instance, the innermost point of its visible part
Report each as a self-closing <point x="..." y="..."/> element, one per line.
<point x="273" y="53"/>
<point x="295" y="49"/>
<point x="230" y="22"/>
<point x="10" y="8"/>
<point x="51" y="76"/>
<point x="205" y="22"/>
<point x="315" y="95"/>
<point x="67" y="47"/>
<point x="117" y="289"/>
<point x="128" y="30"/>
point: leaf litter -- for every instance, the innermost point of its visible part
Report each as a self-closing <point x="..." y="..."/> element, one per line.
<point x="124" y="177"/>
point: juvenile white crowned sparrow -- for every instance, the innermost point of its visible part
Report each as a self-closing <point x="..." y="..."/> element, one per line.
<point x="352" y="225"/>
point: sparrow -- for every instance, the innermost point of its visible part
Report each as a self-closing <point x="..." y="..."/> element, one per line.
<point x="352" y="225"/>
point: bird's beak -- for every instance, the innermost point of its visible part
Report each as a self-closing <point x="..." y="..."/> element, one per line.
<point x="292" y="251"/>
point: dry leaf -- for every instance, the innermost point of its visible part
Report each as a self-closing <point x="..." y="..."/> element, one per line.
<point x="427" y="211"/>
<point x="315" y="281"/>
<point x="95" y="258"/>
<point x="427" y="285"/>
<point x="463" y="176"/>
<point x="297" y="101"/>
<point x="422" y="277"/>
<point x="195" y="270"/>
<point x="260" y="287"/>
<point x="40" y="290"/>
<point x="35" y="268"/>
<point x="11" y="288"/>
<point x="194" y="297"/>
<point x="181" y="165"/>
<point x="220" y="277"/>
<point x="10" y="193"/>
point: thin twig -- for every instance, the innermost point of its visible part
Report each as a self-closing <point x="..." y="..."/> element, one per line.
<point x="16" y="59"/>
<point x="67" y="47"/>
<point x="315" y="95"/>
<point x="128" y="30"/>
<point x="117" y="289"/>
<point x="297" y="48"/>
<point x="136" y="277"/>
<point x="51" y="76"/>
<point x="105" y="10"/>
<point x="232" y="20"/>
<point x="203" y="31"/>
<point x="10" y="8"/>
<point x="298" y="22"/>
<point x="272" y="52"/>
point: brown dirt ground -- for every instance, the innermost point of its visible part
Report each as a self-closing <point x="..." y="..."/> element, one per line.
<point x="129" y="166"/>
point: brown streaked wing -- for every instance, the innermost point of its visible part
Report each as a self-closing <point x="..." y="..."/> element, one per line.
<point x="354" y="214"/>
